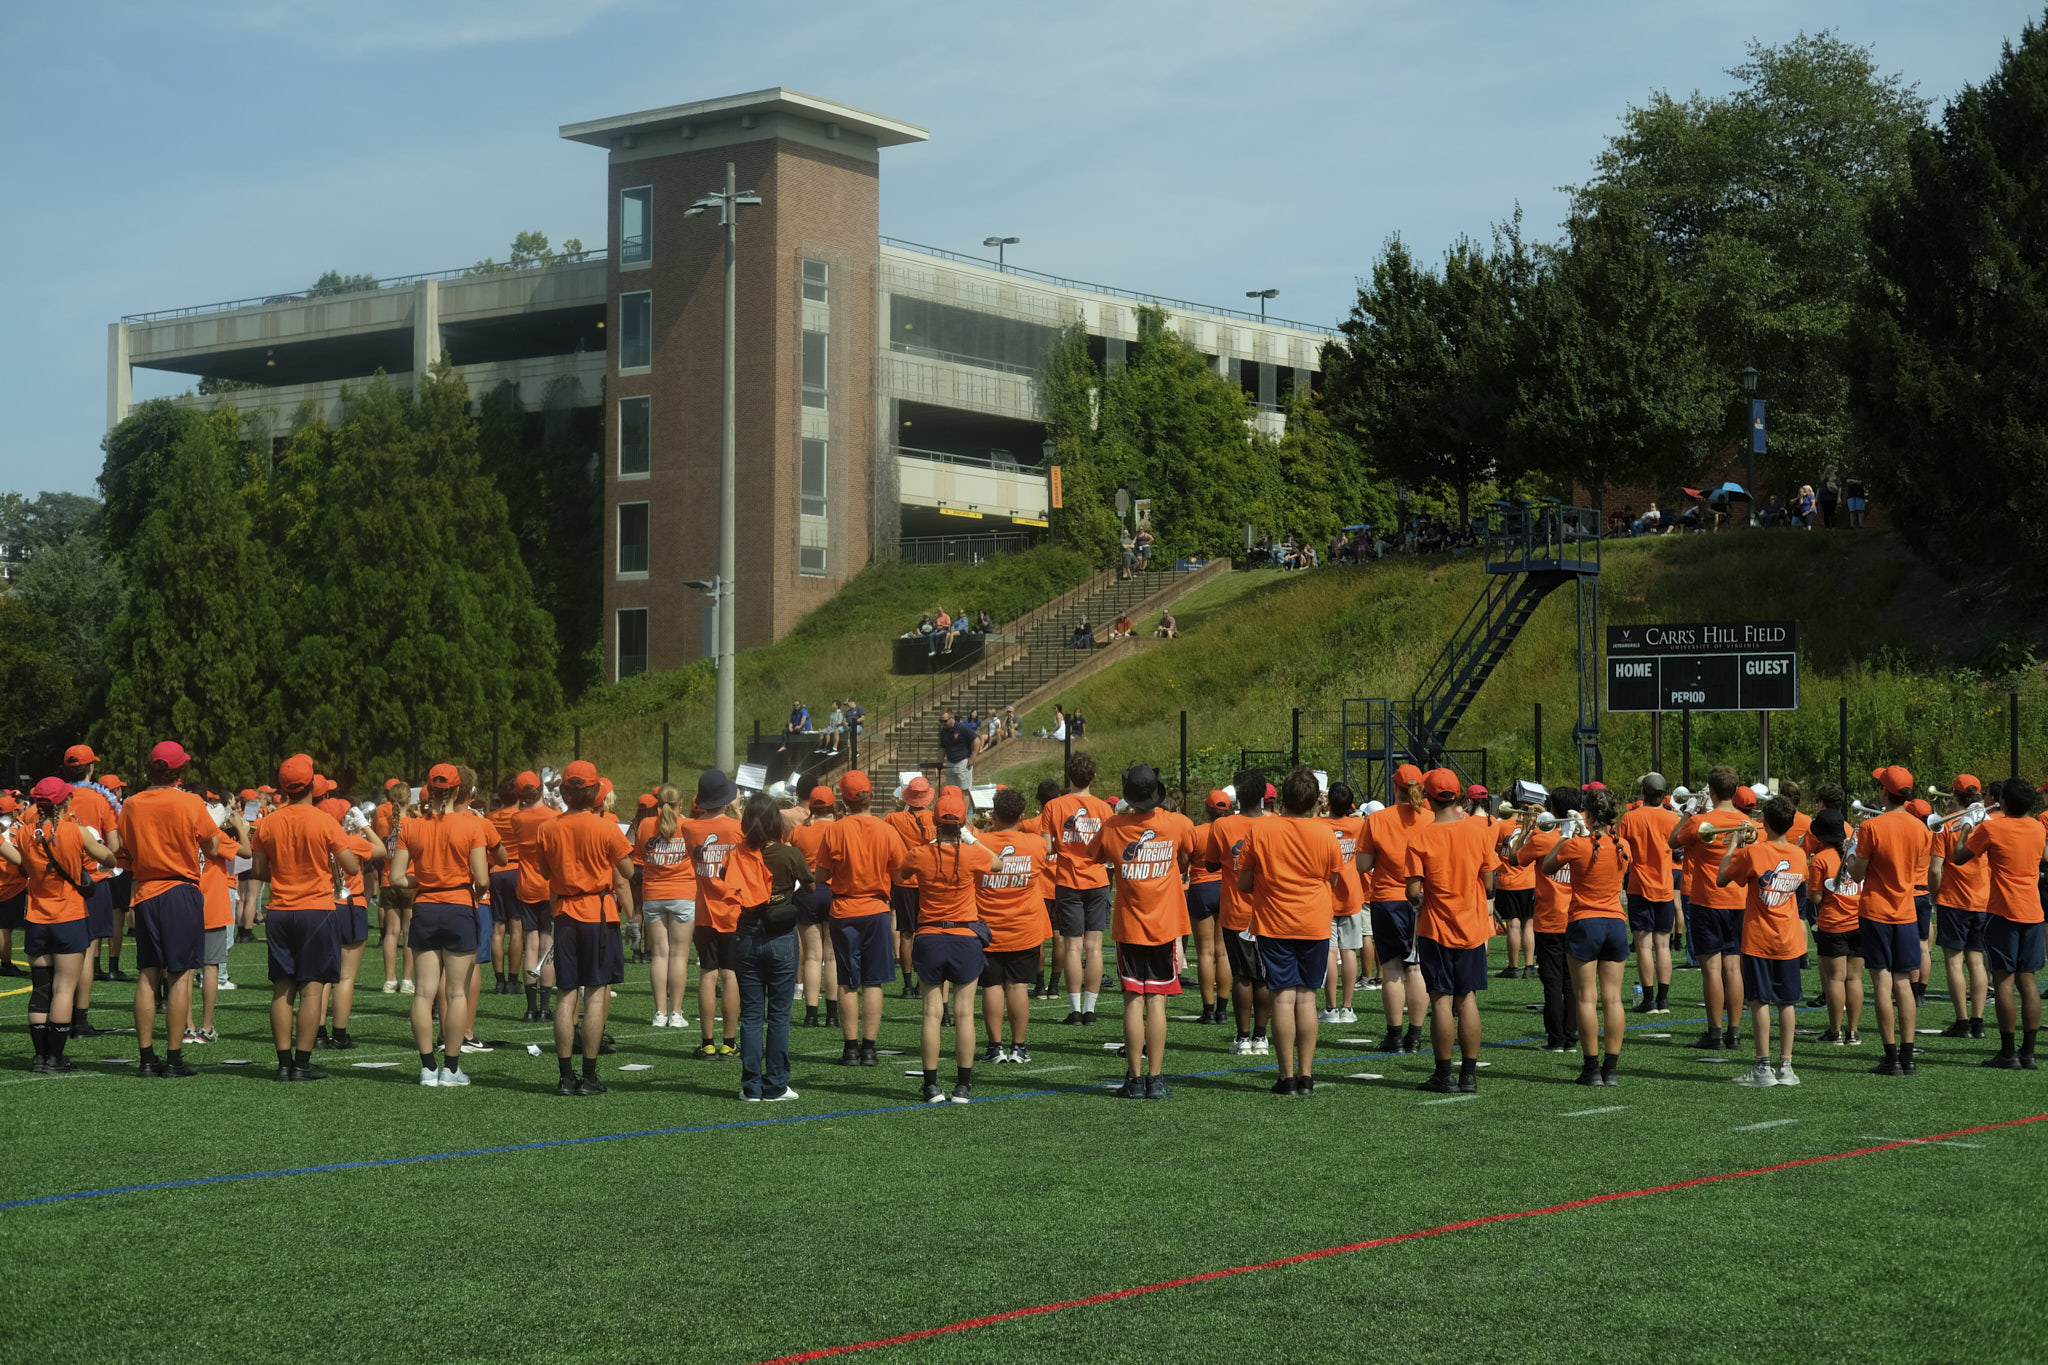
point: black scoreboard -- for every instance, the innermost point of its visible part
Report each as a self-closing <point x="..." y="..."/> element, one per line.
<point x="1744" y="666"/>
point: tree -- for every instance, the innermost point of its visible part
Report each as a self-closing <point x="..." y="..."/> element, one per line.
<point x="1423" y="378"/>
<point x="1614" y="382"/>
<point x="1758" y="198"/>
<point x="75" y="587"/>
<point x="1070" y="394"/>
<point x="1947" y="389"/>
<point x="138" y="457"/>
<point x="334" y="282"/>
<point x="36" y="686"/>
<point x="1315" y="478"/>
<point x="530" y="249"/>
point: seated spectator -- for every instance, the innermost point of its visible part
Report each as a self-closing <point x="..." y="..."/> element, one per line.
<point x="835" y="727"/>
<point x="929" y="629"/>
<point x="984" y="624"/>
<point x="1083" y="636"/>
<point x="944" y="631"/>
<point x="1120" y="629"/>
<point x="1167" y="629"/>
<point x="854" y="716"/>
<point x="799" y="721"/>
<point x="1078" y="724"/>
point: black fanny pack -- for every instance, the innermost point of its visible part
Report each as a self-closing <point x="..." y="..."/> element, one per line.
<point x="982" y="932"/>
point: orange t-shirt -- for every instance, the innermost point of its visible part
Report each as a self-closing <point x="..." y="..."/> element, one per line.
<point x="1075" y="821"/>
<point x="501" y="821"/>
<point x="1554" y="893"/>
<point x="1895" y="844"/>
<point x="808" y="837"/>
<point x="1352" y="898"/>
<point x="1703" y="860"/>
<point x="1036" y="825"/>
<point x="96" y="813"/>
<point x="1802" y="825"/>
<point x="946" y="879"/>
<point x="1007" y="893"/>
<point x="1199" y="870"/>
<point x="437" y="850"/>
<point x="712" y="840"/>
<point x="1226" y="845"/>
<point x="12" y="883"/>
<point x="1386" y="836"/>
<point x="579" y="854"/>
<point x="667" y="872"/>
<point x="1647" y="832"/>
<point x="1514" y="874"/>
<point x="1773" y="873"/>
<point x="1148" y="850"/>
<point x="162" y="831"/>
<point x="1834" y="911"/>
<point x="215" y="881"/>
<point x="1452" y="860"/>
<point x="299" y="842"/>
<point x="53" y="898"/>
<point x="858" y="858"/>
<point x="913" y="827"/>
<point x="527" y="824"/>
<point x="1597" y="876"/>
<point x="1291" y="861"/>
<point x="1964" y="886"/>
<point x="2012" y="847"/>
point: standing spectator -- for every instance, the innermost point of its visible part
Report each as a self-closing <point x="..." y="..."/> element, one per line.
<point x="1853" y="501"/>
<point x="1143" y="545"/>
<point x="1809" y="507"/>
<point x="855" y="714"/>
<point x="765" y="952"/>
<point x="1059" y="722"/>
<point x="956" y="744"/>
<point x="1127" y="547"/>
<point x="1829" y="497"/>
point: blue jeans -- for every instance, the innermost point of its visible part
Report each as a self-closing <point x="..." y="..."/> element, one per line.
<point x="766" y="967"/>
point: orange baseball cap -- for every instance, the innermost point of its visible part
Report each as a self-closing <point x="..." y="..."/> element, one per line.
<point x="1745" y="799"/>
<point x="247" y="794"/>
<point x="295" y="774"/>
<point x="604" y="789"/>
<point x="1440" y="785"/>
<point x="1218" y="800"/>
<point x="112" y="781"/>
<point x="821" y="798"/>
<point x="8" y="805"/>
<point x="951" y="808"/>
<point x="527" y="782"/>
<point x="1894" y="779"/>
<point x="323" y="786"/>
<point x="443" y="777"/>
<point x="333" y="807"/>
<point x="855" y="784"/>
<point x="1964" y="782"/>
<point x="78" y="755"/>
<point x="917" y="792"/>
<point x="581" y="773"/>
<point x="1406" y="774"/>
<point x="1919" y="809"/>
<point x="649" y="801"/>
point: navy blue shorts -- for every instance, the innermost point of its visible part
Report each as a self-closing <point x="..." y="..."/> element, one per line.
<point x="99" y="911"/>
<point x="170" y="930"/>
<point x="587" y="953"/>
<point x="483" y="932"/>
<point x="2010" y="946"/>
<point x="122" y="887"/>
<point x="504" y="894"/>
<point x="1295" y="963"/>
<point x="1715" y="932"/>
<point x="1205" y="900"/>
<point x="534" y="917"/>
<point x="14" y="911"/>
<point x="813" y="906"/>
<point x="864" y="950"/>
<point x="1890" y="947"/>
<point x="1646" y="916"/>
<point x="1451" y="971"/>
<point x="1960" y="931"/>
<point x="946" y="958"/>
<point x="444" y="926"/>
<point x="903" y="901"/>
<point x="1807" y="910"/>
<point x="1923" y="914"/>
<point x="65" y="939"/>
<point x="1599" y="939"/>
<point x="1393" y="931"/>
<point x="1772" y="980"/>
<point x="355" y="923"/>
<point x="305" y="945"/>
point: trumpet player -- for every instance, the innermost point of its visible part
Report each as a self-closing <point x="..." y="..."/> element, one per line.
<point x="1528" y="846"/>
<point x="1835" y="928"/>
<point x="1887" y="861"/>
<point x="1713" y="913"/>
<point x="2016" y="851"/>
<point x="1647" y="831"/>
<point x="1958" y="890"/>
<point x="1773" y="937"/>
<point x="1597" y="939"/>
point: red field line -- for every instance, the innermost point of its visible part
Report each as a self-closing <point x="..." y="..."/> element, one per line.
<point x="1111" y="1296"/>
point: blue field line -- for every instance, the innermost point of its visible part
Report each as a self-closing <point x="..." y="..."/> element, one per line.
<point x="700" y="1128"/>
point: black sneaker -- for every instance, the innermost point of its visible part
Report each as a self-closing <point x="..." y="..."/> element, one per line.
<point x="1133" y="1088"/>
<point x="1508" y="973"/>
<point x="1588" y="1074"/>
<point x="118" y="975"/>
<point x="606" y="1045"/>
<point x="1156" y="1088"/>
<point x="1830" y="1036"/>
<point x="589" y="1085"/>
<point x="343" y="1042"/>
<point x="2002" y="1061"/>
<point x="1609" y="1079"/>
<point x="1959" y="1029"/>
<point x="993" y="1055"/>
<point x="287" y="1073"/>
<point x="1304" y="1085"/>
<point x="309" y="1072"/>
<point x="531" y="1016"/>
<point x="87" y="1031"/>
<point x="1529" y="972"/>
<point x="1730" y="1037"/>
<point x="99" y="973"/>
<point x="2027" y="1063"/>
<point x="1284" y="1086"/>
<point x="1019" y="1053"/>
<point x="1208" y="1015"/>
<point x="566" y="1086"/>
<point x="39" y="1067"/>
<point x="1411" y="1041"/>
<point x="1646" y="1005"/>
<point x="963" y="1093"/>
<point x="180" y="1067"/>
<point x="1908" y="1066"/>
<point x="1468" y="1085"/>
<point x="849" y="1055"/>
<point x="932" y="1094"/>
<point x="868" y="1055"/>
<point x="946" y="1017"/>
<point x="1088" y="1019"/>
<point x="320" y="1040"/>
<point x="1440" y="1085"/>
<point x="1391" y="1043"/>
<point x="1888" y="1067"/>
<point x="64" y="1066"/>
<point x="1710" y="1041"/>
<point x="1976" y="1028"/>
<point x="1073" y="1017"/>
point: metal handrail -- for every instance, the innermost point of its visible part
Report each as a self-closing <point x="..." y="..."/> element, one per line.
<point x="1066" y="283"/>
<point x="933" y="353"/>
<point x="984" y="461"/>
<point x="396" y="281"/>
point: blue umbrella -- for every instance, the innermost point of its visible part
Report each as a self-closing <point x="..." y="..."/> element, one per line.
<point x="1727" y="491"/>
<point x="1362" y="526"/>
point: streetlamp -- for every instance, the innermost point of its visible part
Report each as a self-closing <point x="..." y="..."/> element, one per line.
<point x="728" y="203"/>
<point x="999" y="243"/>
<point x="1748" y="375"/>
<point x="1262" y="295"/>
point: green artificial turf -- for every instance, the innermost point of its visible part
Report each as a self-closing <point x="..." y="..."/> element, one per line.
<point x="882" y="1216"/>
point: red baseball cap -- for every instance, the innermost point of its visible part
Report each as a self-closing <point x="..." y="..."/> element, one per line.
<point x="51" y="791"/>
<point x="1895" y="780"/>
<point x="1440" y="785"/>
<point x="170" y="754"/>
<point x="1407" y="773"/>
<point x="1964" y="782"/>
<point x="821" y="798"/>
<point x="855" y="784"/>
<point x="78" y="755"/>
<point x="1218" y="800"/>
<point x="951" y="808"/>
<point x="295" y="774"/>
<point x="581" y="773"/>
<point x="1594" y="787"/>
<point x="1475" y="792"/>
<point x="527" y="782"/>
<point x="1271" y="793"/>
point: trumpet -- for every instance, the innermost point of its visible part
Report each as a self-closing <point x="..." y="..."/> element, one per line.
<point x="1708" y="833"/>
<point x="1862" y="809"/>
<point x="1969" y="817"/>
<point x="1568" y="827"/>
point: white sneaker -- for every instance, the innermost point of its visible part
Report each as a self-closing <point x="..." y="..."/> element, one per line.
<point x="677" y="1020"/>
<point x="799" y="991"/>
<point x="1758" y="1075"/>
<point x="1348" y="1015"/>
<point x="1368" y="985"/>
<point x="405" y="988"/>
<point x="448" y="1078"/>
<point x="1238" y="1046"/>
<point x="228" y="985"/>
<point x="1262" y="1047"/>
<point x="473" y="1045"/>
<point x="787" y="1094"/>
<point x="1329" y="1016"/>
<point x="661" y="1021"/>
<point x="390" y="987"/>
<point x="1786" y="1076"/>
<point x="429" y="1076"/>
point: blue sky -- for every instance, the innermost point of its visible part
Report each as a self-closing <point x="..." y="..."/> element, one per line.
<point x="166" y="155"/>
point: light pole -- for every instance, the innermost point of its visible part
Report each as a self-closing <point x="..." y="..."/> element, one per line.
<point x="1262" y="295"/>
<point x="999" y="243"/>
<point x="727" y="202"/>
<point x="1748" y="375"/>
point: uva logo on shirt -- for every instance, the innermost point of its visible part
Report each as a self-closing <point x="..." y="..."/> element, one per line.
<point x="1079" y="828"/>
<point x="668" y="852"/>
<point x="1146" y="857"/>
<point x="711" y="859"/>
<point x="1012" y="870"/>
<point x="1775" y="887"/>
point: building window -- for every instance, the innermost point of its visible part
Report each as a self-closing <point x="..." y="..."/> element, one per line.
<point x="632" y="641"/>
<point x="815" y="280"/>
<point x="812" y="480"/>
<point x="814" y="369"/>
<point x="811" y="561"/>
<point x="636" y="330"/>
<point x="636" y="224"/>
<point x="633" y="436"/>
<point x="632" y="538"/>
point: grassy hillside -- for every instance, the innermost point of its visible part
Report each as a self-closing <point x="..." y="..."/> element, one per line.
<point x="842" y="649"/>
<point x="1926" y="665"/>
